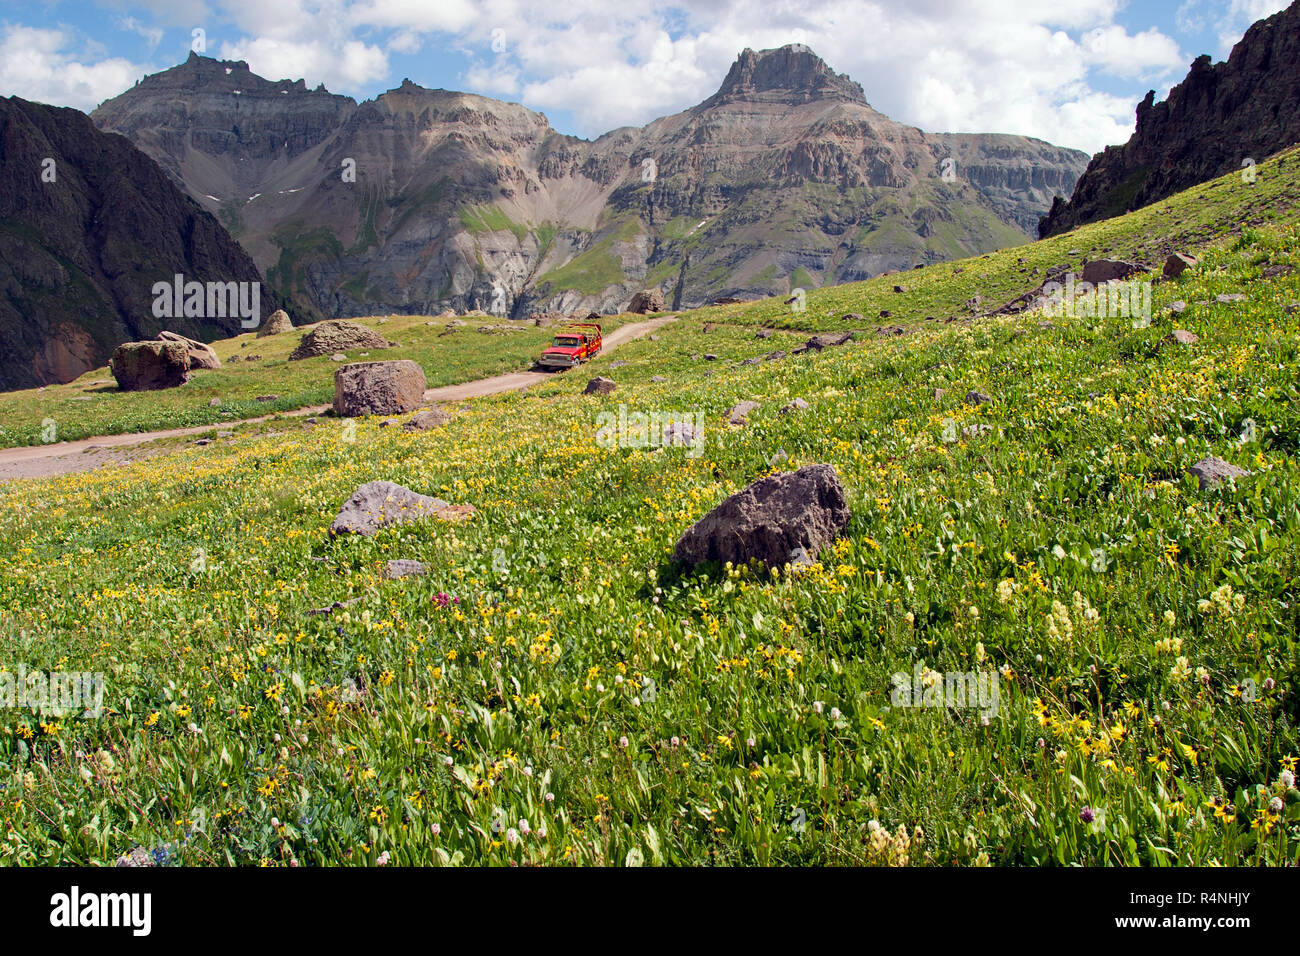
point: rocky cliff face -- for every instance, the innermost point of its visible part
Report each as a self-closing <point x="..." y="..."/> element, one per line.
<point x="1219" y="118"/>
<point x="786" y="177"/>
<point x="88" y="225"/>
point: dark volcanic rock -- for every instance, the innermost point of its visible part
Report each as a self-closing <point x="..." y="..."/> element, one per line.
<point x="149" y="366"/>
<point x="378" y="388"/>
<point x="770" y="521"/>
<point x="1105" y="270"/>
<point x="1219" y="116"/>
<point x="80" y="255"/>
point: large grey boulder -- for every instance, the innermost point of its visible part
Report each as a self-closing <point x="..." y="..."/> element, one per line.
<point x="771" y="520"/>
<point x="1106" y="270"/>
<point x="378" y="388"/>
<point x="377" y="504"/>
<point x="337" y="335"/>
<point x="647" y="301"/>
<point x="149" y="366"/>
<point x="201" y="354"/>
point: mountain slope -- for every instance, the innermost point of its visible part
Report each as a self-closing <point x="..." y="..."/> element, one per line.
<point x="785" y="177"/>
<point x="554" y="672"/>
<point x="1220" y="118"/>
<point x="79" y="255"/>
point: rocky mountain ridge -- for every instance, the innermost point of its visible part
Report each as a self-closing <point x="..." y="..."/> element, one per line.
<point x="88" y="225"/>
<point x="1223" y="116"/>
<point x="784" y="178"/>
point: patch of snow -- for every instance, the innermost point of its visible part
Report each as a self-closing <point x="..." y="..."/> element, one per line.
<point x="251" y="198"/>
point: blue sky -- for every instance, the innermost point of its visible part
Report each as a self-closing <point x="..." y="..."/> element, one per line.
<point x="1071" y="74"/>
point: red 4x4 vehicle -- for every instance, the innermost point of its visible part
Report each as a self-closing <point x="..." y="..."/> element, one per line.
<point x="574" y="344"/>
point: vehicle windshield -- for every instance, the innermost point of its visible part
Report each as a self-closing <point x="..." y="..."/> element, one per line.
<point x="566" y="341"/>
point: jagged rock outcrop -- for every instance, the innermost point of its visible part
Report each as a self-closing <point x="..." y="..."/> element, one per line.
<point x="1220" y="117"/>
<point x="786" y="177"/>
<point x="88" y="225"/>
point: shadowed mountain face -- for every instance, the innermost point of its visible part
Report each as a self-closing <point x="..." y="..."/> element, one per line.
<point x="785" y="178"/>
<point x="1222" y="117"/>
<point x="88" y="225"/>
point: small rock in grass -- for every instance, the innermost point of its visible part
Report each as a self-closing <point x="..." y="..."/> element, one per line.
<point x="600" y="386"/>
<point x="739" y="413"/>
<point x="1177" y="264"/>
<point x="797" y="405"/>
<point x="426" y="420"/>
<point x="377" y="504"/>
<point x="1184" y="337"/>
<point x="404" y="568"/>
<point x="1210" y="471"/>
<point x="976" y="398"/>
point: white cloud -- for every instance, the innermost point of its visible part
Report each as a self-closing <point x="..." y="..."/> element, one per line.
<point x="348" y="67"/>
<point x="943" y="65"/>
<point x="1241" y="14"/>
<point x="1131" y="56"/>
<point x="153" y="35"/>
<point x="38" y="65"/>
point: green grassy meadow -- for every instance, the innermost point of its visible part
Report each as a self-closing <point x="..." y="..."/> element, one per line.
<point x="555" y="691"/>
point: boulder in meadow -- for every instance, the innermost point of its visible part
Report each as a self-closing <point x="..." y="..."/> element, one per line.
<point x="1210" y="471"/>
<point x="770" y="520"/>
<point x="377" y="504"/>
<point x="378" y="388"/>
<point x="149" y="366"/>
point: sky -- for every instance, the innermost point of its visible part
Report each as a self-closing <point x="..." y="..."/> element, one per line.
<point x="1067" y="71"/>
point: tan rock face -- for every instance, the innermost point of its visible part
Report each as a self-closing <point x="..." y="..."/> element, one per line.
<point x="1212" y="121"/>
<point x="277" y="323"/>
<point x="378" y="388"/>
<point x="781" y="121"/>
<point x="149" y="366"/>
<point x="201" y="354"/>
<point x="69" y="354"/>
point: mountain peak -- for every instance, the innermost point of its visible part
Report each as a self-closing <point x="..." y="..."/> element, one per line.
<point x="790" y="74"/>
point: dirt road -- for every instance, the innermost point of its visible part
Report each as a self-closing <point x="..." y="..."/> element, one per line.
<point x="87" y="454"/>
